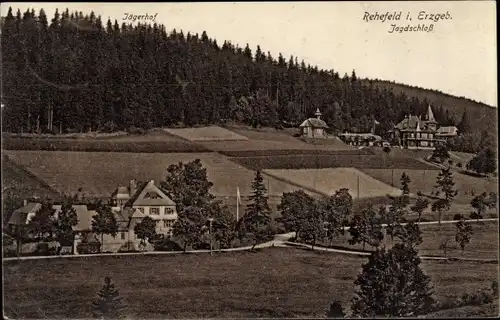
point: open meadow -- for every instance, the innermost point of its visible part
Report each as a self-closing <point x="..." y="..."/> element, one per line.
<point x="100" y="173"/>
<point x="151" y="142"/>
<point x="327" y="181"/>
<point x="267" y="139"/>
<point x="209" y="133"/>
<point x="425" y="182"/>
<point x="19" y="182"/>
<point x="269" y="283"/>
<point x="318" y="161"/>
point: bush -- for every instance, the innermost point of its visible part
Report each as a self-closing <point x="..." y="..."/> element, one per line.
<point x="135" y="130"/>
<point x="89" y="247"/>
<point x="108" y="127"/>
<point x="335" y="310"/>
<point x="127" y="247"/>
<point x="9" y="253"/>
<point x="475" y="215"/>
<point x="43" y="249"/>
<point x="167" y="244"/>
<point x="458" y="216"/>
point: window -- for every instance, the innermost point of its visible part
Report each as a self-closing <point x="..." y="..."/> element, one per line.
<point x="151" y="195"/>
<point x="141" y="210"/>
<point x="424" y="135"/>
<point x="122" y="235"/>
<point x="155" y="211"/>
<point x="169" y="211"/>
<point x="168" y="223"/>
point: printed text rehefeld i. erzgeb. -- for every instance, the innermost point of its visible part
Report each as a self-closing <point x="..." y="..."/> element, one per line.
<point x="400" y="21"/>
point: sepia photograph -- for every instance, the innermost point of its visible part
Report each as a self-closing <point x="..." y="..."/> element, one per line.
<point x="213" y="160"/>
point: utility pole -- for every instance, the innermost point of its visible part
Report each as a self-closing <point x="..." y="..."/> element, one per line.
<point x="358" y="187"/>
<point x="210" y="233"/>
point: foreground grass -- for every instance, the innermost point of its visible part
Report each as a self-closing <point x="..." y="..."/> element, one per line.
<point x="270" y="283"/>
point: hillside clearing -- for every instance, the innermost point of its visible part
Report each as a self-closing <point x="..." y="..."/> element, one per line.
<point x="327" y="181"/>
<point x="271" y="139"/>
<point x="100" y="173"/>
<point x="139" y="144"/>
<point x="269" y="283"/>
<point x="319" y="161"/>
<point x="210" y="133"/>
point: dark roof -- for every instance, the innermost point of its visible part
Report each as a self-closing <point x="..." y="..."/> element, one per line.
<point x="123" y="218"/>
<point x="148" y="186"/>
<point x="20" y="215"/>
<point x="410" y="124"/>
<point x="133" y="198"/>
<point x="314" y="123"/>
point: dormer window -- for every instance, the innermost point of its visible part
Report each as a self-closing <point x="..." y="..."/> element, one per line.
<point x="151" y="195"/>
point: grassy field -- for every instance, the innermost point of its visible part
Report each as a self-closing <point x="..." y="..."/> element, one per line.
<point x="425" y="181"/>
<point x="483" y="311"/>
<point x="291" y="152"/>
<point x="484" y="241"/>
<point x="327" y="181"/>
<point x="210" y="133"/>
<point x="151" y="142"/>
<point x="270" y="139"/>
<point x="330" y="161"/>
<point x="100" y="173"/>
<point x="21" y="183"/>
<point x="270" y="283"/>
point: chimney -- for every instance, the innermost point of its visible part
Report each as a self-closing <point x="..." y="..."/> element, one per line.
<point x="152" y="182"/>
<point x="132" y="187"/>
<point x="25" y="202"/>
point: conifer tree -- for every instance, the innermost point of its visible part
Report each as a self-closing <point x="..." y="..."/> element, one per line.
<point x="108" y="304"/>
<point x="256" y="220"/>
<point x="392" y="284"/>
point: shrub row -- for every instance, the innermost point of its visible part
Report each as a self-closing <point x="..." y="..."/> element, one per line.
<point x="289" y="152"/>
<point x="101" y="145"/>
<point x="330" y="161"/>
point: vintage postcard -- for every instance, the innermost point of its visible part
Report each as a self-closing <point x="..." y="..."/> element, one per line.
<point x="249" y="160"/>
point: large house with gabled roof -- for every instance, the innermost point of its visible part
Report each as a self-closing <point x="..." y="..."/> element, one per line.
<point x="131" y="204"/>
<point x="413" y="132"/>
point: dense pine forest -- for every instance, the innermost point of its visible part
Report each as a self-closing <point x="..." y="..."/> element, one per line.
<point x="77" y="73"/>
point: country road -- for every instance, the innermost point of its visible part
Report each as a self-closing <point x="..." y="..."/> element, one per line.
<point x="279" y="241"/>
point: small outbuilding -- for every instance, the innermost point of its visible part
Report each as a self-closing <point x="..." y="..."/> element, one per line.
<point x="314" y="127"/>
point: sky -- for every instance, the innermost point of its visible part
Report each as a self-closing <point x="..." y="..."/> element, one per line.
<point x="457" y="57"/>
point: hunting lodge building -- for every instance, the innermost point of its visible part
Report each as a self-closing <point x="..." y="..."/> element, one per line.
<point x="414" y="133"/>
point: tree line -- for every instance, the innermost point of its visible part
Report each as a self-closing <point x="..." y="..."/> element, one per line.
<point x="76" y="73"/>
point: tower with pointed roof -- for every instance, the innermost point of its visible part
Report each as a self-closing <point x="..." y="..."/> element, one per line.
<point x="430" y="120"/>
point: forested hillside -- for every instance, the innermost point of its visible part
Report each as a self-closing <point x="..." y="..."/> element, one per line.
<point x="78" y="73"/>
<point x="480" y="114"/>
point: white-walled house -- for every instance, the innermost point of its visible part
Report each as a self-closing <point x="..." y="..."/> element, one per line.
<point x="130" y="205"/>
